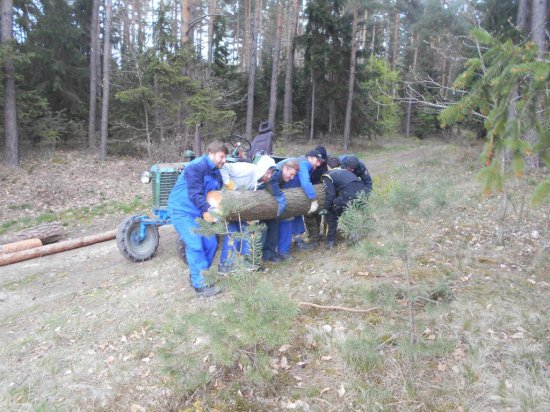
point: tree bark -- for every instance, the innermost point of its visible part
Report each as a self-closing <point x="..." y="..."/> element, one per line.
<point x="260" y="205"/>
<point x="94" y="60"/>
<point x="538" y="25"/>
<point x="47" y="232"/>
<point x="11" y="158"/>
<point x="106" y="79"/>
<point x="523" y="15"/>
<point x="287" y="102"/>
<point x="275" y="66"/>
<point x="185" y="21"/>
<point x="254" y="32"/>
<point x="211" y="12"/>
<point x="312" y="120"/>
<point x="395" y="37"/>
<point x="409" y="104"/>
<point x="351" y="82"/>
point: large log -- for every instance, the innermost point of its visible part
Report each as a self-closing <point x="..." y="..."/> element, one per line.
<point x="9" y="258"/>
<point x="260" y="205"/>
<point x="50" y="232"/>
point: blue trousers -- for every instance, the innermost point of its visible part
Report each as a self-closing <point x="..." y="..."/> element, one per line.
<point x="199" y="250"/>
<point x="233" y="244"/>
<point x="287" y="228"/>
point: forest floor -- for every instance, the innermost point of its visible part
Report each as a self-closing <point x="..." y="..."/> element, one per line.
<point x="88" y="330"/>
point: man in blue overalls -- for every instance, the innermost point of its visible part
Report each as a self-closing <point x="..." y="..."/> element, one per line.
<point x="187" y="202"/>
<point x="288" y="227"/>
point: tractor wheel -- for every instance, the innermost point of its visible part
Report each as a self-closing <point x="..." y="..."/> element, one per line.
<point x="181" y="251"/>
<point x="127" y="240"/>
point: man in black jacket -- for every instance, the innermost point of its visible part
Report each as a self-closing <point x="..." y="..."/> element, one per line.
<point x="341" y="186"/>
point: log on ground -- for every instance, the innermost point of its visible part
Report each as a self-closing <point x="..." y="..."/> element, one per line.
<point x="261" y="205"/>
<point x="50" y="232"/>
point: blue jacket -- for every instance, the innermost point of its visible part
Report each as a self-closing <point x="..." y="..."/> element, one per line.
<point x="303" y="176"/>
<point x="361" y="172"/>
<point x="197" y="179"/>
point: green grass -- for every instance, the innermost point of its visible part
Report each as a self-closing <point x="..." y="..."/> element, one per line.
<point x="69" y="216"/>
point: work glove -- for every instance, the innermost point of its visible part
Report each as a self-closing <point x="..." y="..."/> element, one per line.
<point x="212" y="215"/>
<point x="314" y="207"/>
<point x="281" y="202"/>
<point x="323" y="212"/>
<point x="231" y="185"/>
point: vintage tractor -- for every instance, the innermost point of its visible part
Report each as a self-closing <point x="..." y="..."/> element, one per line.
<point x="138" y="235"/>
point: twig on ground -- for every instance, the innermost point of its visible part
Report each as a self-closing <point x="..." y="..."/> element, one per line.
<point x="330" y="307"/>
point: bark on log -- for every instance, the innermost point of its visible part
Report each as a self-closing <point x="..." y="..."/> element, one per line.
<point x="50" y="232"/>
<point x="20" y="245"/>
<point x="55" y="248"/>
<point x="260" y="205"/>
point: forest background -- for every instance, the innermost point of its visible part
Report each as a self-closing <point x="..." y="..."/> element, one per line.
<point x="133" y="77"/>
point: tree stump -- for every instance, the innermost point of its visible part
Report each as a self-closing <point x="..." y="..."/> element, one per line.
<point x="261" y="205"/>
<point x="50" y="232"/>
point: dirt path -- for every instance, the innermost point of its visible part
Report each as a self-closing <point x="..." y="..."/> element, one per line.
<point x="82" y="329"/>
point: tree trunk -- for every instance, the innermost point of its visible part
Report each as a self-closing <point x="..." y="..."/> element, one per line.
<point x="246" y="34"/>
<point x="197" y="146"/>
<point x="351" y="82"/>
<point x="538" y="25"/>
<point x="94" y="60"/>
<point x="260" y="205"/>
<point x="211" y="12"/>
<point x="185" y="21"/>
<point x="395" y="38"/>
<point x="11" y="159"/>
<point x="287" y="102"/>
<point x="47" y="232"/>
<point x="254" y="32"/>
<point x="523" y="15"/>
<point x="20" y="245"/>
<point x="312" y="121"/>
<point x="409" y="103"/>
<point x="106" y="79"/>
<point x="275" y="66"/>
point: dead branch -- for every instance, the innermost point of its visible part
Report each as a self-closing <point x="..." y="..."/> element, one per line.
<point x="330" y="307"/>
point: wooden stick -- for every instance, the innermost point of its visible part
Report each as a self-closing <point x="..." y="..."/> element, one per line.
<point x="314" y="305"/>
<point x="20" y="245"/>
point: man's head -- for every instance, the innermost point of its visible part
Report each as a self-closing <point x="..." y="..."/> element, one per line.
<point x="323" y="151"/>
<point x="264" y="169"/>
<point x="290" y="170"/>
<point x="217" y="152"/>
<point x="315" y="158"/>
<point x="333" y="163"/>
<point x="351" y="163"/>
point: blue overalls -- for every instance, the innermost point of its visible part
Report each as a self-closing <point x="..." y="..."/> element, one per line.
<point x="186" y="203"/>
<point x="236" y="245"/>
<point x="295" y="226"/>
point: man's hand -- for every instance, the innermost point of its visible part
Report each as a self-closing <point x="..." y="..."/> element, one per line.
<point x="212" y="215"/>
<point x="231" y="185"/>
<point x="314" y="207"/>
<point x="281" y="204"/>
<point x="323" y="212"/>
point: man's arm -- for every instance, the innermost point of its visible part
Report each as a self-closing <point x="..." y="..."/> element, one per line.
<point x="195" y="185"/>
<point x="305" y="181"/>
<point x="365" y="177"/>
<point x="330" y="191"/>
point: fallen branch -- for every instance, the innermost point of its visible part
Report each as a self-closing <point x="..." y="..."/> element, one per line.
<point x="20" y="256"/>
<point x="314" y="305"/>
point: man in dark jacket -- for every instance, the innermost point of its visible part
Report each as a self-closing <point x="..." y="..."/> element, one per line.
<point x="313" y="220"/>
<point x="353" y="164"/>
<point x="341" y="186"/>
<point x="187" y="202"/>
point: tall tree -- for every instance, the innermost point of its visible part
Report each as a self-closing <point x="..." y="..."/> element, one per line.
<point x="254" y="33"/>
<point x="94" y="61"/>
<point x="351" y="81"/>
<point x="289" y="75"/>
<point x="275" y="65"/>
<point x="11" y="158"/>
<point x="106" y="80"/>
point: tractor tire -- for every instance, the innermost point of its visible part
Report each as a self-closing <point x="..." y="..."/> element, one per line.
<point x="127" y="240"/>
<point x="181" y="251"/>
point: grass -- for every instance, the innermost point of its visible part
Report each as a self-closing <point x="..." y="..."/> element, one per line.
<point x="71" y="216"/>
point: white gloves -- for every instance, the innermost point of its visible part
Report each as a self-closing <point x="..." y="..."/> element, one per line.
<point x="314" y="207"/>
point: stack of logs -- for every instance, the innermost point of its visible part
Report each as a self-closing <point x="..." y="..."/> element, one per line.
<point x="42" y="240"/>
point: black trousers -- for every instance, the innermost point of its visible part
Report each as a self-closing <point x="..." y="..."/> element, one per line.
<point x="313" y="222"/>
<point x="332" y="220"/>
<point x="270" y="238"/>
